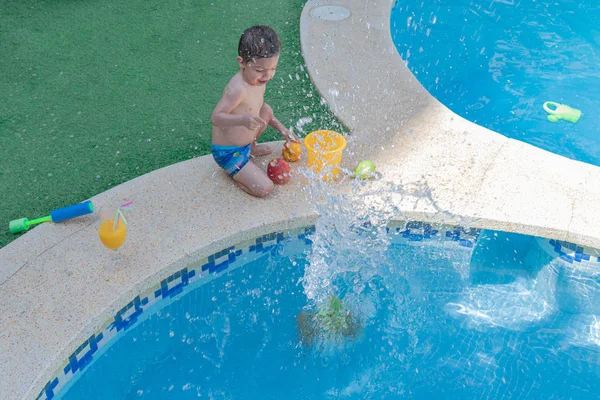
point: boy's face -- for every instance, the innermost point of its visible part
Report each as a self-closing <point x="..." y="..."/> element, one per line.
<point x="258" y="72"/>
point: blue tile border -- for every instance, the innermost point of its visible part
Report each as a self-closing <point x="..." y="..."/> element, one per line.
<point x="416" y="231"/>
<point x="409" y="232"/>
<point x="570" y="252"/>
<point x="48" y="390"/>
<point x="128" y="315"/>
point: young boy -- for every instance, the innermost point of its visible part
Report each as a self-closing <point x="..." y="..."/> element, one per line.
<point x="241" y="115"/>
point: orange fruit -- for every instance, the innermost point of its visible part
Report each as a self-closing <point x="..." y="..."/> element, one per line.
<point x="113" y="239"/>
<point x="291" y="151"/>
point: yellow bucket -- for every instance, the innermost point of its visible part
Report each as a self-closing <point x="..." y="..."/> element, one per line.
<point x="325" y="152"/>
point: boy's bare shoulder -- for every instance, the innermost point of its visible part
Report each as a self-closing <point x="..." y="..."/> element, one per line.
<point x="235" y="87"/>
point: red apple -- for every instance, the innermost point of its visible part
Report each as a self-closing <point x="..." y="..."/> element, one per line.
<point x="278" y="170"/>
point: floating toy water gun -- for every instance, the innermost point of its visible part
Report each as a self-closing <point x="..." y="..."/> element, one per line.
<point x="561" y="111"/>
<point x="62" y="214"/>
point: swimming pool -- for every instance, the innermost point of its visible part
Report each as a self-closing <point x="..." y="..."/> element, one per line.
<point x="445" y="312"/>
<point x="497" y="62"/>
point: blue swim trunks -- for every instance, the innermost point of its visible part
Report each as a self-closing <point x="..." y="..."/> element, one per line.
<point x="231" y="158"/>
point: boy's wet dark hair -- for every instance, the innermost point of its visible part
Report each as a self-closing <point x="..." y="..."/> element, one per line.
<point x="258" y="41"/>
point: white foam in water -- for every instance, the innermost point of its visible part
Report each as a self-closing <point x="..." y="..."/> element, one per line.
<point x="578" y="295"/>
<point x="578" y="290"/>
<point x="512" y="306"/>
<point x="583" y="331"/>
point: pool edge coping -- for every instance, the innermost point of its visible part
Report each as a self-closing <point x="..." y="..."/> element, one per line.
<point x="349" y="95"/>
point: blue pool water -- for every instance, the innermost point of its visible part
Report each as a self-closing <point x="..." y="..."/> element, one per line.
<point x="496" y="62"/>
<point x="440" y="320"/>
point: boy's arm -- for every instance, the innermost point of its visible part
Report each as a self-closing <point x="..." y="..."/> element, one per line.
<point x="222" y="117"/>
<point x="285" y="133"/>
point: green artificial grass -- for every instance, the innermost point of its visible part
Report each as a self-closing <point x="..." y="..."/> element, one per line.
<point x="95" y="93"/>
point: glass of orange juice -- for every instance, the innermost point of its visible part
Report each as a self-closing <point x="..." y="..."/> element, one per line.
<point x="111" y="237"/>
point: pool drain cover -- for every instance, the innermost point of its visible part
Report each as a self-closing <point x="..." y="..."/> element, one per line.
<point x="330" y="13"/>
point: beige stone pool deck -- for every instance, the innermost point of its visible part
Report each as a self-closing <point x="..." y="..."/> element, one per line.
<point x="58" y="284"/>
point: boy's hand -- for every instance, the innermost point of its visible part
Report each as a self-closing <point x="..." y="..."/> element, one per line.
<point x="253" y="123"/>
<point x="289" y="136"/>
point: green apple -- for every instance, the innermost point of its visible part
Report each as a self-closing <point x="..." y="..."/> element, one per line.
<point x="364" y="170"/>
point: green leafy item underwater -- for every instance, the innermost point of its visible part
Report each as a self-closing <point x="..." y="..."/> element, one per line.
<point x="332" y="322"/>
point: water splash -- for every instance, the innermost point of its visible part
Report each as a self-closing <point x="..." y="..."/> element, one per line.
<point x="351" y="236"/>
<point x="301" y="122"/>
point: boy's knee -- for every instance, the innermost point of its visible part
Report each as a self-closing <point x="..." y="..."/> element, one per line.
<point x="267" y="189"/>
<point x="263" y="190"/>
